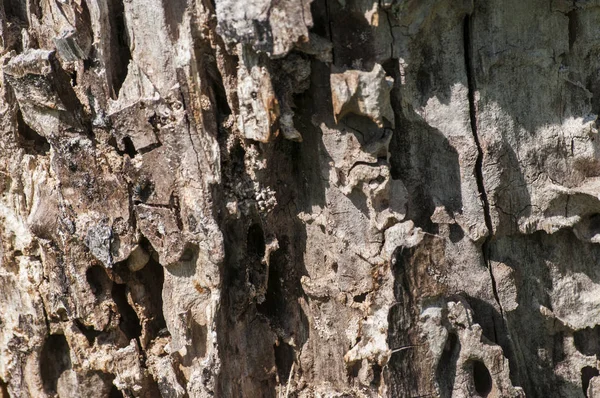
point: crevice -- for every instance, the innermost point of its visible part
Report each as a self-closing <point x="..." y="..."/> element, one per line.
<point x="274" y="303"/>
<point x="558" y="347"/>
<point x="190" y="254"/>
<point x="176" y="208"/>
<point x="390" y="25"/>
<point x="284" y="358"/>
<point x="16" y="10"/>
<point x="4" y="389"/>
<point x="482" y="379"/>
<point x="129" y="148"/>
<point x="573" y="25"/>
<point x="216" y="86"/>
<point x="353" y="369"/>
<point x="88" y="331"/>
<point x="376" y="380"/>
<point x="119" y="44"/>
<point x="156" y="122"/>
<point x="73" y="76"/>
<point x="130" y="323"/>
<point x="494" y="328"/>
<point x="46" y="318"/>
<point x="213" y="62"/>
<point x="380" y="162"/>
<point x="55" y="359"/>
<point x="115" y="392"/>
<point x="255" y="252"/>
<point x="446" y="368"/>
<point x="98" y="280"/>
<point x="330" y="30"/>
<point x="467" y="43"/>
<point x="198" y="335"/>
<point x="190" y="123"/>
<point x="587" y="374"/>
<point x="149" y="148"/>
<point x="587" y="341"/>
<point x="152" y="278"/>
<point x="28" y="139"/>
<point x="360" y="298"/>
<point x="255" y="242"/>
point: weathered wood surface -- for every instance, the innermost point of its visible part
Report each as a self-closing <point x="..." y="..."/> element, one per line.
<point x="299" y="198"/>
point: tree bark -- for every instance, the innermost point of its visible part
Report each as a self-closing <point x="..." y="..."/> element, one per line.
<point x="299" y="198"/>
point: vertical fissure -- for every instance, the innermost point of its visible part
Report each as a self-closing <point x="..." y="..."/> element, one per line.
<point x="467" y="43"/>
<point x="120" y="47"/>
<point x="330" y="30"/>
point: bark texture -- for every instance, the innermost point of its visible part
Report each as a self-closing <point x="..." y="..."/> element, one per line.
<point x="299" y="198"/>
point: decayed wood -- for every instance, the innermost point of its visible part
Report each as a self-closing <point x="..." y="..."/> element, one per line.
<point x="299" y="198"/>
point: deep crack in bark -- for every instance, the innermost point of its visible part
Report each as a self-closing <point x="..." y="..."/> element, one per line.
<point x="479" y="162"/>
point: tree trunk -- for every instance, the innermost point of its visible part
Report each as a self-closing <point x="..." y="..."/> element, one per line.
<point x="299" y="198"/>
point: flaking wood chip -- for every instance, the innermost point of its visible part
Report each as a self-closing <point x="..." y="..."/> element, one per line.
<point x="363" y="93"/>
